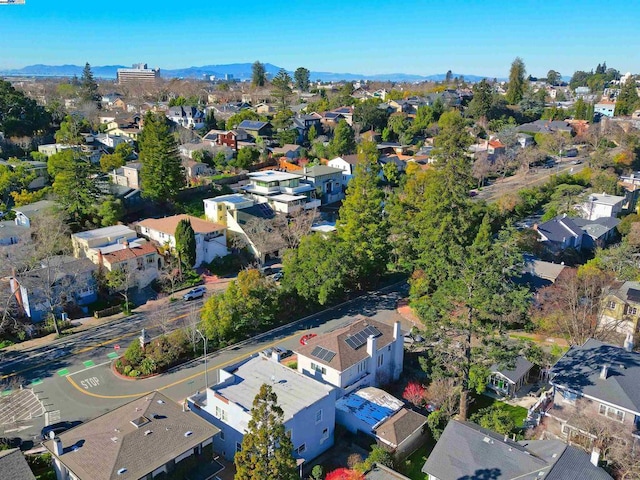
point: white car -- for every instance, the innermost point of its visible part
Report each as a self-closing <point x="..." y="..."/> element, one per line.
<point x="194" y="293"/>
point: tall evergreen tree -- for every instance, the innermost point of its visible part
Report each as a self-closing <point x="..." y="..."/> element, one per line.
<point x="517" y="79"/>
<point x="258" y="74"/>
<point x="301" y="76"/>
<point x="162" y="174"/>
<point x="186" y="243"/>
<point x="267" y="452"/>
<point x="89" y="87"/>
<point x="482" y="100"/>
<point x="281" y="88"/>
<point x="362" y="225"/>
<point x="343" y="141"/>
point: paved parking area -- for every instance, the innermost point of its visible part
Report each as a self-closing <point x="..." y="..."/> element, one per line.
<point x="19" y="405"/>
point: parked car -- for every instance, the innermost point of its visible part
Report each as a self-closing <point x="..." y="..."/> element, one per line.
<point x="284" y="353"/>
<point x="58" y="428"/>
<point x="194" y="293"/>
<point x="576" y="162"/>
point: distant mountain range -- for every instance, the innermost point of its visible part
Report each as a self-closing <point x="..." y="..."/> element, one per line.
<point x="240" y="71"/>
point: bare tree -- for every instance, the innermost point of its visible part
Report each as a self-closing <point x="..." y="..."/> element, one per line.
<point x="161" y="318"/>
<point x="191" y="323"/>
<point x="444" y="394"/>
<point x="171" y="273"/>
<point x="122" y="280"/>
<point x="296" y="226"/>
<point x="482" y="167"/>
<point x="573" y="307"/>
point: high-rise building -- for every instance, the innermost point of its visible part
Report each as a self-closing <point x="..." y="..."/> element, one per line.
<point x="138" y="73"/>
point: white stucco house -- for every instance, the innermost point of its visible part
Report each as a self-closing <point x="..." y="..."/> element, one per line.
<point x="346" y="163"/>
<point x="211" y="238"/>
<point x="365" y="353"/>
<point x="308" y="406"/>
<point x="600" y="205"/>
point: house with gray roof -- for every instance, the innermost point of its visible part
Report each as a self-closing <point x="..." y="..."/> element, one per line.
<point x="327" y="181"/>
<point x="186" y="116"/>
<point x="546" y="126"/>
<point x="467" y="451"/>
<point x="14" y="466"/>
<point x="256" y="128"/>
<point x="308" y="406"/>
<point x="380" y="472"/>
<point x="560" y="233"/>
<point x="149" y="436"/>
<point x="26" y="213"/>
<point x="506" y="381"/>
<point x="599" y="232"/>
<point x="595" y="379"/>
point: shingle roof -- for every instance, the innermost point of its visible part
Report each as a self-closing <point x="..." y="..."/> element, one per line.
<point x="14" y="466"/>
<point x="252" y="125"/>
<point x="467" y="451"/>
<point x="335" y="341"/>
<point x="400" y="426"/>
<point x="128" y="252"/>
<point x="520" y="369"/>
<point x="557" y="229"/>
<point x="168" y="224"/>
<point x="99" y="448"/>
<point x="35" y="207"/>
<point x="380" y="472"/>
<point x="320" y="170"/>
<point x="579" y="370"/>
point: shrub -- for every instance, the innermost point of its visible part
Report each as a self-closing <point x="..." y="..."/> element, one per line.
<point x="317" y="472"/>
<point x="414" y="393"/>
<point x="134" y="353"/>
<point x="494" y="418"/>
<point x="147" y="366"/>
<point x="134" y="373"/>
<point x="436" y="421"/>
<point x="126" y="370"/>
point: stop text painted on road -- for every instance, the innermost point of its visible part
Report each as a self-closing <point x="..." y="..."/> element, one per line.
<point x="88" y="383"/>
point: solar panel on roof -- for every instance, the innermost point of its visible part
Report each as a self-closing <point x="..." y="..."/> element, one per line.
<point x="323" y="354"/>
<point x="360" y="338"/>
<point x="633" y="295"/>
<point x="352" y="343"/>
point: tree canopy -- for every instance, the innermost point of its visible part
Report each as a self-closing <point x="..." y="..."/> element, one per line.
<point x="186" y="243"/>
<point x="301" y="77"/>
<point x="258" y="74"/>
<point x="517" y="81"/>
<point x="19" y="114"/>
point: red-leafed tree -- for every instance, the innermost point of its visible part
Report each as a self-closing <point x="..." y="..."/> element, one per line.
<point x="414" y="393"/>
<point x="344" y="474"/>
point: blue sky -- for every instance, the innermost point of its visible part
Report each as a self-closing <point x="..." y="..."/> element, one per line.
<point x="479" y="37"/>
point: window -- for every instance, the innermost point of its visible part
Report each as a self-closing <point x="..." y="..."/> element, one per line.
<point x="325" y="435"/>
<point x="362" y="366"/>
<point x="629" y="310"/>
<point x="611" y="305"/>
<point x="611" y="412"/>
<point x="389" y="348"/>
<point x="222" y="435"/>
<point x="319" y="416"/>
<point x="302" y="448"/>
<point x="380" y="360"/>
<point x="150" y="259"/>
<point x="238" y="447"/>
<point x="318" y="368"/>
<point x="221" y="413"/>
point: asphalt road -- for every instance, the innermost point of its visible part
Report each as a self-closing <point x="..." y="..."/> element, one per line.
<point x="72" y="378"/>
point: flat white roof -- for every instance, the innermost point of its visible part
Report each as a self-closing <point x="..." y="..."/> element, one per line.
<point x="272" y="176"/>
<point x="286" y="198"/>
<point x="605" y="199"/>
<point x="120" y="246"/>
<point x="295" y="391"/>
<point x="234" y="198"/>
<point x="113" y="231"/>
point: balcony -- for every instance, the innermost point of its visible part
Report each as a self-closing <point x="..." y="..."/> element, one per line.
<point x="312" y="204"/>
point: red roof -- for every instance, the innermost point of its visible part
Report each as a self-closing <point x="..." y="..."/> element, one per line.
<point x="129" y="252"/>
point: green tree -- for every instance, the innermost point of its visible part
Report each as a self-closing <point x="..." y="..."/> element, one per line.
<point x="343" y="141"/>
<point x="162" y="175"/>
<point x="267" y="451"/>
<point x="361" y="225"/>
<point x="246" y="157"/>
<point x="628" y="100"/>
<point x="186" y="243"/>
<point x="553" y="77"/>
<point x="110" y="211"/>
<point x="317" y="270"/>
<point x="70" y="129"/>
<point x="580" y="108"/>
<point x="390" y="172"/>
<point x="482" y="101"/>
<point x="301" y="77"/>
<point x="19" y="114"/>
<point x="517" y="82"/>
<point x="369" y="116"/>
<point x="312" y="134"/>
<point x="495" y="419"/>
<point x="89" y="87"/>
<point x="281" y="88"/>
<point x="124" y="149"/>
<point x="109" y="162"/>
<point x="258" y="74"/>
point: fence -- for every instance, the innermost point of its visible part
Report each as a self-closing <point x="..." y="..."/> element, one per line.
<point x="107" y="311"/>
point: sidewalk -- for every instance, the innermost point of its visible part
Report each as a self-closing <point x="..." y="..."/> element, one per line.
<point x="213" y="284"/>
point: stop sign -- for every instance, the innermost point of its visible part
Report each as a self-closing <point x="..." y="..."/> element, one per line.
<point x="116" y="347"/>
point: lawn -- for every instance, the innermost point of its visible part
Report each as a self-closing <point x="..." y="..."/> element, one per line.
<point x="517" y="414"/>
<point x="412" y="466"/>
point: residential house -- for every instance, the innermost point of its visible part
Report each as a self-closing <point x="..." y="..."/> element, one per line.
<point x="289" y="151"/>
<point x="303" y="124"/>
<point x="14" y="466"/>
<point x="346" y="163"/>
<point x="264" y="109"/>
<point x="243" y="216"/>
<point x="605" y="108"/>
<point x="308" y="406"/>
<point x="142" y="439"/>
<point x="195" y="169"/>
<point x="283" y="191"/>
<point x="128" y="175"/>
<point x="377" y="413"/>
<point x="186" y="116"/>
<point x="228" y="138"/>
<point x="604" y="378"/>
<point x="546" y="126"/>
<point x="255" y="128"/>
<point x="506" y="381"/>
<point x="11" y="233"/>
<point x="346" y="113"/>
<point x="126" y="126"/>
<point x="67" y="279"/>
<point x="621" y="307"/>
<point x="118" y="247"/>
<point x="330" y="119"/>
<point x="598" y="232"/>
<point x="537" y="273"/>
<point x="468" y="451"/>
<point x="602" y="205"/>
<point x="26" y="213"/>
<point x="364" y="353"/>
<point x="327" y="182"/>
<point x="380" y="472"/>
<point x="211" y="238"/>
<point x="525" y="140"/>
<point x="111" y="141"/>
<point x="560" y="233"/>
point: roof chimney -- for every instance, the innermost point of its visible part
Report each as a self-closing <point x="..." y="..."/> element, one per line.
<point x="595" y="456"/>
<point x="628" y="343"/>
<point x="57" y="444"/>
<point x="372" y="346"/>
<point x="604" y="371"/>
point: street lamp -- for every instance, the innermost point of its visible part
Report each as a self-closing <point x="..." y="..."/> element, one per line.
<point x="206" y="378"/>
